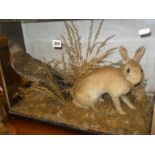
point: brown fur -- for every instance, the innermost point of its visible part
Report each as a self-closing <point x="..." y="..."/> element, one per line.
<point x="117" y="82"/>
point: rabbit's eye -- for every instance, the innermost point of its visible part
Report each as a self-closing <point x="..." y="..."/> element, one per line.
<point x="141" y="70"/>
<point x="128" y="70"/>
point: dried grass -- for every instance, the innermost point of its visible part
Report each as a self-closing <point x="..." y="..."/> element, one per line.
<point x="52" y="89"/>
<point x="49" y="86"/>
<point x="82" y="65"/>
<point x="75" y="65"/>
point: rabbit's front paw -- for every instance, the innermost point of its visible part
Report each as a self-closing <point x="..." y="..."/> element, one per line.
<point x="122" y="112"/>
<point x="127" y="101"/>
<point x="133" y="107"/>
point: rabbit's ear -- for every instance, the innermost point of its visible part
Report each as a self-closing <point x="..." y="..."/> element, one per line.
<point x="139" y="53"/>
<point x="123" y="53"/>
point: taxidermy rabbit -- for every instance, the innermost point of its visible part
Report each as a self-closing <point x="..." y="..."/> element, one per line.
<point x="117" y="82"/>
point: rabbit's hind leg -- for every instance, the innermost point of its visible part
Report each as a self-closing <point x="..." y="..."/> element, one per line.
<point x="78" y="104"/>
<point x="83" y="102"/>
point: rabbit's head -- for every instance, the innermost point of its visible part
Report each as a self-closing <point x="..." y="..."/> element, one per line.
<point x="131" y="68"/>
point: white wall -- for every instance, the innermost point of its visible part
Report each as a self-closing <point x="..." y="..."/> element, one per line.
<point x="38" y="37"/>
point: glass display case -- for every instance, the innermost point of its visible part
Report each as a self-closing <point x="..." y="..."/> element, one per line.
<point x="95" y="76"/>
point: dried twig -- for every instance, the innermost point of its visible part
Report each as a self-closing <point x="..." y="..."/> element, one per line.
<point x="96" y="37"/>
<point x="103" y="44"/>
<point x="89" y="38"/>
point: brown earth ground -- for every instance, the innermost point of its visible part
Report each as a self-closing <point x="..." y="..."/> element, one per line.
<point x="103" y="119"/>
